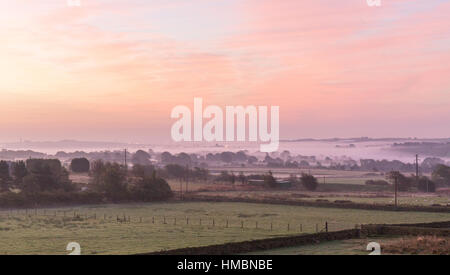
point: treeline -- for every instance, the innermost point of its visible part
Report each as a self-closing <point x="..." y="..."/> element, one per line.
<point x="46" y="181"/>
<point x="199" y="160"/>
<point x="439" y="178"/>
<point x="427" y="165"/>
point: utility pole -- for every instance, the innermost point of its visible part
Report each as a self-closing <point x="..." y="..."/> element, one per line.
<point x="181" y="188"/>
<point x="396" y="188"/>
<point x="417" y="171"/>
<point x="417" y="167"/>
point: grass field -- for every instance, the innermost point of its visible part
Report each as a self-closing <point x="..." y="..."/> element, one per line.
<point x="45" y="233"/>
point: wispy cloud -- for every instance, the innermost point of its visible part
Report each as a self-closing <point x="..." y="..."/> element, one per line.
<point x="336" y="67"/>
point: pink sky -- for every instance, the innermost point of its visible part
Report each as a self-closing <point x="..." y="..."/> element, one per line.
<point x="114" y="69"/>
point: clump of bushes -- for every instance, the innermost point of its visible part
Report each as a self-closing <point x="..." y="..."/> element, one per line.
<point x="377" y="182"/>
<point x="309" y="182"/>
<point x="80" y="165"/>
<point x="441" y="175"/>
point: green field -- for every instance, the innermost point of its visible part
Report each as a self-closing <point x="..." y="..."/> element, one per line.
<point x="48" y="231"/>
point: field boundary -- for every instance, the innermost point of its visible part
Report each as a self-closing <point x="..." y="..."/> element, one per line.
<point x="347" y="205"/>
<point x="263" y="244"/>
<point x="434" y="229"/>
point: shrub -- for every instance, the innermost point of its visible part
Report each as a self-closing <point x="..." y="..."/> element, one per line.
<point x="151" y="189"/>
<point x="309" y="182"/>
<point x="269" y="180"/>
<point x="441" y="175"/>
<point x="80" y="165"/>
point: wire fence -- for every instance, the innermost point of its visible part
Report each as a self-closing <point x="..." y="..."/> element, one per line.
<point x="208" y="222"/>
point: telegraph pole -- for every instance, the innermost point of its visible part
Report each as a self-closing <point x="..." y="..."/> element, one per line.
<point x="181" y="188"/>
<point x="396" y="188"/>
<point x="417" y="171"/>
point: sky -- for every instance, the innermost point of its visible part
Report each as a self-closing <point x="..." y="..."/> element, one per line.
<point x="113" y="69"/>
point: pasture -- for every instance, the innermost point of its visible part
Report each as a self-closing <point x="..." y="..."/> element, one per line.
<point x="140" y="228"/>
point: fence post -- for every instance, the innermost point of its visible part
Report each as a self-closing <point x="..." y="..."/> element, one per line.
<point x="242" y="224"/>
<point x="326" y="227"/>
